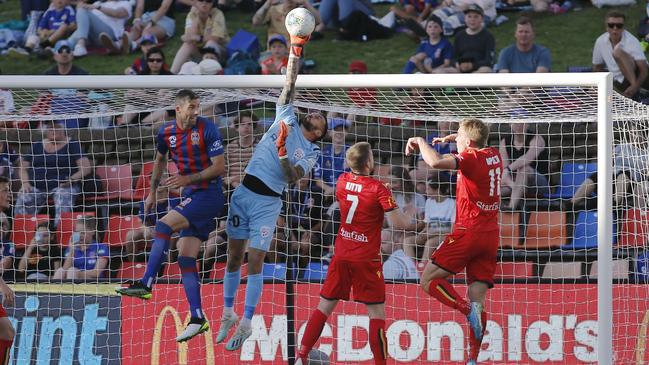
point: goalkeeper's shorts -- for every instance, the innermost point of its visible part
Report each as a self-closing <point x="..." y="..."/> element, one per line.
<point x="253" y="217"/>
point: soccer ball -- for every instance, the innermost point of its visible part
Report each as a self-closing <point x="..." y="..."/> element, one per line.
<point x="300" y="22"/>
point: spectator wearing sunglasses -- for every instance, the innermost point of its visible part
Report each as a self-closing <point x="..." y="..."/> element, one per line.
<point x="63" y="58"/>
<point x="204" y="27"/>
<point x="621" y="53"/>
<point x="155" y="63"/>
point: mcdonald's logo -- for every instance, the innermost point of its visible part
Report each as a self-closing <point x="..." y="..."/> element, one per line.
<point x="641" y="346"/>
<point x="182" y="347"/>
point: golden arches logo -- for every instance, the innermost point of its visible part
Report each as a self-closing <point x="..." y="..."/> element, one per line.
<point x="643" y="331"/>
<point x="182" y="347"/>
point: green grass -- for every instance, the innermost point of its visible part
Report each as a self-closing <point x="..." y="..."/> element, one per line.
<point x="569" y="37"/>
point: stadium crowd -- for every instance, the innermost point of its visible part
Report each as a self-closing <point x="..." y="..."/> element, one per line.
<point x="56" y="178"/>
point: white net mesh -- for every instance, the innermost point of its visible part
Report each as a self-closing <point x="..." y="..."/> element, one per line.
<point x="544" y="305"/>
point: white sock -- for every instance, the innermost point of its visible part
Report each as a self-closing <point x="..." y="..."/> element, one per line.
<point x="228" y="311"/>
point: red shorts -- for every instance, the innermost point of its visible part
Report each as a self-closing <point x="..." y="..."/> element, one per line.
<point x="3" y="312"/>
<point x="475" y="251"/>
<point x="365" y="278"/>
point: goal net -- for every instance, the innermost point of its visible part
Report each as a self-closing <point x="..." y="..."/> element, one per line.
<point x="575" y="156"/>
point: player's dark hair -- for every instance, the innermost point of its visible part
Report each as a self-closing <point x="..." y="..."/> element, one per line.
<point x="246" y="114"/>
<point x="615" y="14"/>
<point x="4" y="180"/>
<point x="89" y="222"/>
<point x="358" y="155"/>
<point x="525" y="20"/>
<point x="184" y="96"/>
<point x="476" y="130"/>
<point x="305" y="120"/>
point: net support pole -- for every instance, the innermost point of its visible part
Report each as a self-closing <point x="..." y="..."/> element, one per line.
<point x="604" y="220"/>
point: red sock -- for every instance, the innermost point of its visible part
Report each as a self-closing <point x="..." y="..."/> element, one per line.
<point x="378" y="342"/>
<point x="5" y="351"/>
<point x="312" y="332"/>
<point x="443" y="291"/>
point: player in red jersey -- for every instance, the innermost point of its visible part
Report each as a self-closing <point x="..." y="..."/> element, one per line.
<point x="473" y="244"/>
<point x="356" y="264"/>
<point x="7" y="331"/>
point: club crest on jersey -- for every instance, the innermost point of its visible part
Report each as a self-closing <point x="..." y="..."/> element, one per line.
<point x="298" y="154"/>
<point x="264" y="231"/>
<point x="196" y="138"/>
<point x="172" y="141"/>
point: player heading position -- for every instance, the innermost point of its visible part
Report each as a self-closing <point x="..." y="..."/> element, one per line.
<point x="473" y="244"/>
<point x="7" y="331"/>
<point x="286" y="152"/>
<point x="356" y="265"/>
<point x="194" y="144"/>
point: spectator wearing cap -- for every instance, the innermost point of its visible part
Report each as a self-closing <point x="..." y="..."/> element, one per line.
<point x="63" y="58"/>
<point x="101" y="24"/>
<point x="151" y="18"/>
<point x="332" y="157"/>
<point x="524" y="55"/>
<point x="204" y="27"/>
<point x="58" y="22"/>
<point x="147" y="42"/>
<point x="205" y="67"/>
<point x="55" y="167"/>
<point x="474" y="46"/>
<point x="155" y="63"/>
<point x="360" y="96"/>
<point x="417" y="10"/>
<point x="621" y="53"/>
<point x="439" y="216"/>
<point x="453" y="13"/>
<point x="434" y="54"/>
<point x="276" y="63"/>
<point x="274" y="14"/>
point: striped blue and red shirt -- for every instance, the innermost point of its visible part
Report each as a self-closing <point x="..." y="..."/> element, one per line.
<point x="192" y="150"/>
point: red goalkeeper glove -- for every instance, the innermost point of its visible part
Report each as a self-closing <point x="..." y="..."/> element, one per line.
<point x="280" y="142"/>
<point x="297" y="43"/>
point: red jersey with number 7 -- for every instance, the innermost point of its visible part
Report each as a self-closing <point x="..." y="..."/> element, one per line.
<point x="363" y="200"/>
<point x="478" y="189"/>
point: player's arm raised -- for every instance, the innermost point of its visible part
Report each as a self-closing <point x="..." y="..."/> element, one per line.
<point x="432" y="158"/>
<point x="288" y="92"/>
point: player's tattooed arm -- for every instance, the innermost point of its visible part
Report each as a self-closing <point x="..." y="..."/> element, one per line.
<point x="292" y="173"/>
<point x="288" y="92"/>
<point x="159" y="165"/>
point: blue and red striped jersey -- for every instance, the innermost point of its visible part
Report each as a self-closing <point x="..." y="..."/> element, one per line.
<point x="192" y="149"/>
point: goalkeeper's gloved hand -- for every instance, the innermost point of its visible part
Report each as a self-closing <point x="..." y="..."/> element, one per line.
<point x="297" y="43"/>
<point x="280" y="142"/>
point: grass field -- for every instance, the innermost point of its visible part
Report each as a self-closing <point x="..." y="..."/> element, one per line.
<point x="569" y="37"/>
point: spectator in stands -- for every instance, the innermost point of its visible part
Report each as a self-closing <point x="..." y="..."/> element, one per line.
<point x="439" y="218"/>
<point x="274" y="13"/>
<point x="33" y="10"/>
<point x="42" y="256"/>
<point x="85" y="258"/>
<point x="63" y="58"/>
<point x="621" y="53"/>
<point x="398" y="265"/>
<point x="304" y="209"/>
<point x="6" y="104"/>
<point x="155" y="63"/>
<point x="409" y="201"/>
<point x="58" y="22"/>
<point x="433" y="55"/>
<point x="56" y="167"/>
<point x="276" y="62"/>
<point x="417" y="10"/>
<point x="147" y="42"/>
<point x="139" y="239"/>
<point x="332" y="157"/>
<point x="239" y="151"/>
<point x="334" y="12"/>
<point x="474" y="46"/>
<point x="360" y="96"/>
<point x="525" y="164"/>
<point x="8" y="159"/>
<point x="7" y="249"/>
<point x="423" y="172"/>
<point x="524" y="55"/>
<point x="152" y="18"/>
<point x="101" y="24"/>
<point x="208" y="68"/>
<point x="204" y="27"/>
<point x="453" y="13"/>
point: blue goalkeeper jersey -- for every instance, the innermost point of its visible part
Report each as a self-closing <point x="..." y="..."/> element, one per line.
<point x="264" y="163"/>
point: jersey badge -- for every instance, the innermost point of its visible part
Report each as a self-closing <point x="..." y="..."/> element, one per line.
<point x="172" y="141"/>
<point x="195" y="138"/>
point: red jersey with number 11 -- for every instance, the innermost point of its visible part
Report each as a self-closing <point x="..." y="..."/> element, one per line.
<point x="363" y="201"/>
<point x="478" y="189"/>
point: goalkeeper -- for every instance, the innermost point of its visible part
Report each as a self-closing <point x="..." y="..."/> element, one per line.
<point x="286" y="152"/>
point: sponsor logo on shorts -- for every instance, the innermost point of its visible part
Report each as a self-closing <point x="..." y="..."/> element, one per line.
<point x="184" y="203"/>
<point x="265" y="231"/>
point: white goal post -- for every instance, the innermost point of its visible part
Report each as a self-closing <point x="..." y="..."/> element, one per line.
<point x="608" y="109"/>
